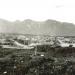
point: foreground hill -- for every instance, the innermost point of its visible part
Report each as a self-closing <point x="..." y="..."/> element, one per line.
<point x="48" y="27"/>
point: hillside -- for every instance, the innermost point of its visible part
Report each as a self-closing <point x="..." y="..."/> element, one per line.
<point x="48" y="27"/>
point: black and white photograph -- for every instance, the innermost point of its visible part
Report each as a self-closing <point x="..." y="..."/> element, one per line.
<point x="37" y="37"/>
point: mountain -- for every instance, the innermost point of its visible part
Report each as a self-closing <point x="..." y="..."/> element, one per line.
<point x="48" y="27"/>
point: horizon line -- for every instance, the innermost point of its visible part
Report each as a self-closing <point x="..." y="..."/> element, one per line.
<point x="35" y="20"/>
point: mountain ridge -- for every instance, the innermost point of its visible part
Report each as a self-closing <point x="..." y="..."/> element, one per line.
<point x="48" y="27"/>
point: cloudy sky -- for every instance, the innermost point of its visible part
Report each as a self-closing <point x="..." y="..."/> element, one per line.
<point x="40" y="10"/>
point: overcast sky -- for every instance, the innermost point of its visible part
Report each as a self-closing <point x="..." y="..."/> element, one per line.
<point x="39" y="10"/>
